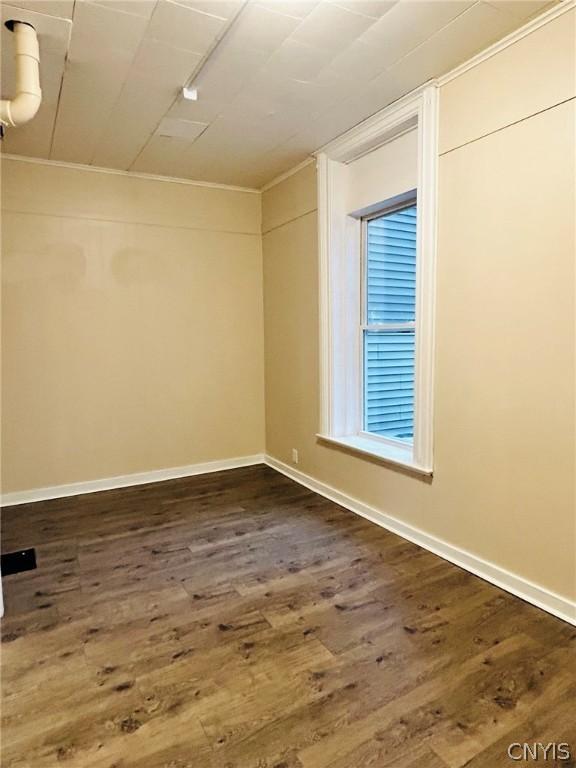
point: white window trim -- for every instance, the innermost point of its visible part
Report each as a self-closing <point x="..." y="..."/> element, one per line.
<point x="339" y="267"/>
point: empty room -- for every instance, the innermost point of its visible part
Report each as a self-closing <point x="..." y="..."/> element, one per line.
<point x="288" y="377"/>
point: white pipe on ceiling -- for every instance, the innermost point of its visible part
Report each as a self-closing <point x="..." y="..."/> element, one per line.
<point x="25" y="104"/>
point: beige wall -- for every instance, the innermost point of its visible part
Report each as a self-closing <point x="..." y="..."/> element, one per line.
<point x="132" y="325"/>
<point x="503" y="484"/>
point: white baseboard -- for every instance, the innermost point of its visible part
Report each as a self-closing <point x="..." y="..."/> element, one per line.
<point x="532" y="593"/>
<point x="125" y="481"/>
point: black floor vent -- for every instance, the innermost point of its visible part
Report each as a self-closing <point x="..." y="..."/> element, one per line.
<point x="16" y="562"/>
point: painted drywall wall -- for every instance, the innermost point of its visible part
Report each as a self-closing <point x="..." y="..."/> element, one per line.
<point x="132" y="325"/>
<point x="503" y="485"/>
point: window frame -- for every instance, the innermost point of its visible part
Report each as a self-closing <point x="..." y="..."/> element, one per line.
<point x="340" y="233"/>
<point x="387" y="208"/>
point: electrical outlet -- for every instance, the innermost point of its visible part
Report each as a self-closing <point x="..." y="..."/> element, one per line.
<point x="294" y="456"/>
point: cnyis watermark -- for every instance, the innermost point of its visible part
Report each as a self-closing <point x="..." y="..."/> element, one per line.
<point x="539" y="751"/>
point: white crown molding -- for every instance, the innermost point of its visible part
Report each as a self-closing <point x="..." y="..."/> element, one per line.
<point x="286" y="175"/>
<point x="126" y="481"/>
<point x="527" y="29"/>
<point x="128" y="174"/>
<point x="532" y="593"/>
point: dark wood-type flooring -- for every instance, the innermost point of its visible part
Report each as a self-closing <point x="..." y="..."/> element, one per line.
<point x="237" y="620"/>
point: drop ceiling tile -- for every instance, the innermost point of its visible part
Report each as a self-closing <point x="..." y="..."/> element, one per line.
<point x="259" y="29"/>
<point x="296" y="95"/>
<point x="203" y="110"/>
<point x="284" y="79"/>
<point x="334" y="88"/>
<point x="223" y="150"/>
<point x="321" y="128"/>
<point x="174" y="128"/>
<point x="279" y="161"/>
<point x="153" y="82"/>
<point x="522" y="9"/>
<point x="92" y="82"/>
<point x="479" y="26"/>
<point x="183" y="27"/>
<point x="226" y="167"/>
<point x="60" y="8"/>
<point x="296" y="8"/>
<point x="223" y="76"/>
<point x="195" y="168"/>
<point x="257" y="126"/>
<point x="250" y="107"/>
<point x="162" y="156"/>
<point x="98" y="29"/>
<point x="476" y="29"/>
<point x="137" y="7"/>
<point x="358" y="62"/>
<point x="408" y="24"/>
<point x="470" y="32"/>
<point x="223" y="138"/>
<point x="251" y="168"/>
<point x="364" y="102"/>
<point x="331" y="27"/>
<point x="442" y="52"/>
<point x="298" y="61"/>
<point x="225" y="9"/>
<point x="373" y="8"/>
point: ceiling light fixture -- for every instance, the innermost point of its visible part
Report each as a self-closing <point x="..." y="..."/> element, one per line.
<point x="190" y="94"/>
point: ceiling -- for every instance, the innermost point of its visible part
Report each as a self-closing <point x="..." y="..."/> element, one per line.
<point x="276" y="79"/>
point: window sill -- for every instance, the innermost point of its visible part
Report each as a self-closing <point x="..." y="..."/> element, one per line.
<point x="388" y="454"/>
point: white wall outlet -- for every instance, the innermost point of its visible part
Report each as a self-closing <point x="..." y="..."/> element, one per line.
<point x="294" y="456"/>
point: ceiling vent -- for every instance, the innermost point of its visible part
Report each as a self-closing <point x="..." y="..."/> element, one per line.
<point x="175" y="128"/>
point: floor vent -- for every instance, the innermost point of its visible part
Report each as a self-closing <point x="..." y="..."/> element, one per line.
<point x="16" y="562"/>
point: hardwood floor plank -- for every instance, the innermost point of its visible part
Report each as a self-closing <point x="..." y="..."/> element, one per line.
<point x="238" y="620"/>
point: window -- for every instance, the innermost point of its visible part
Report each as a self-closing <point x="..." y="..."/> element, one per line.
<point x="377" y="252"/>
<point x="388" y="322"/>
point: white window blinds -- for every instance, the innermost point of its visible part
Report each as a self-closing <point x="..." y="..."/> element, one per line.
<point x="389" y="322"/>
